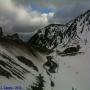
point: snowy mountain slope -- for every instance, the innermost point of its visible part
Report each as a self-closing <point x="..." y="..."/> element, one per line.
<point x="29" y="67"/>
<point x="10" y="64"/>
<point x="74" y="72"/>
<point x="23" y="66"/>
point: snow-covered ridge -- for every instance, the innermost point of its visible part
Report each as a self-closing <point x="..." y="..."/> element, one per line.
<point x="48" y="37"/>
<point x="71" y="34"/>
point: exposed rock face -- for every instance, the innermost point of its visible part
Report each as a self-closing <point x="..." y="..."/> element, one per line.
<point x="51" y="65"/>
<point x="12" y="37"/>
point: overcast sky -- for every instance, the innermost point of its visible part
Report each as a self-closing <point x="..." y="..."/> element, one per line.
<point x="27" y="16"/>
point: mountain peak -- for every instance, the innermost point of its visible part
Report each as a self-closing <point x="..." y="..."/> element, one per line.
<point x="49" y="36"/>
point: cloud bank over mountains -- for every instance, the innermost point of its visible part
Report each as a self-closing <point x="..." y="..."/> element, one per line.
<point x="26" y="16"/>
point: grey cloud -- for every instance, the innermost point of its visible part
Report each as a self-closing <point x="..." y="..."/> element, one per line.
<point x="21" y="2"/>
<point x="18" y="19"/>
<point x="48" y="3"/>
<point x="69" y="12"/>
